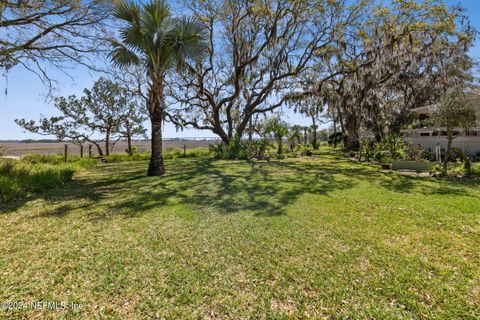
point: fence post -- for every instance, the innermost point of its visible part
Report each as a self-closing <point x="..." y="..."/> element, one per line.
<point x="81" y="151"/>
<point x="65" y="155"/>
<point x="184" y="149"/>
<point x="90" y="150"/>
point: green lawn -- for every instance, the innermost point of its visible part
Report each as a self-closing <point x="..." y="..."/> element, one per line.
<point x="318" y="237"/>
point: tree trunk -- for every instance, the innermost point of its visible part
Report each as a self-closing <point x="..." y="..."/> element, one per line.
<point x="447" y="154"/>
<point x="314" y="134"/>
<point x="280" y="146"/>
<point x="250" y="130"/>
<point x="334" y="133"/>
<point x="351" y="140"/>
<point x="129" y="142"/>
<point x="107" y="143"/>
<point x="156" y="108"/>
<point x="99" y="149"/>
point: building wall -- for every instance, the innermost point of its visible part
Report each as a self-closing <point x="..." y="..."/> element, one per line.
<point x="469" y="145"/>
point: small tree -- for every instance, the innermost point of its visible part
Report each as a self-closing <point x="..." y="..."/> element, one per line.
<point x="295" y="136"/>
<point x="102" y="111"/>
<point x="452" y="112"/>
<point x="131" y="124"/>
<point x="278" y="129"/>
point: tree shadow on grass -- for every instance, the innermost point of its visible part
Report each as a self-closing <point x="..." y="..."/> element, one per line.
<point x="225" y="187"/>
<point x="265" y="188"/>
<point x="431" y="186"/>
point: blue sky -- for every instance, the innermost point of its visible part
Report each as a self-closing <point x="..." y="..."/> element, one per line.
<point x="26" y="93"/>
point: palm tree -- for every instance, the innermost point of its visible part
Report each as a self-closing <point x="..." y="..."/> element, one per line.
<point x="158" y="42"/>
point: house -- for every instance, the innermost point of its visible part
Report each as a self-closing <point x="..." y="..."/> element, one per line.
<point x="421" y="133"/>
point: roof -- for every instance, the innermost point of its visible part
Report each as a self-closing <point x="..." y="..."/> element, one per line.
<point x="473" y="99"/>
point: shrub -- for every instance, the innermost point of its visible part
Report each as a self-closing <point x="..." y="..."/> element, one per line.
<point x="476" y="157"/>
<point x="236" y="149"/>
<point x="134" y="150"/>
<point x="429" y="155"/>
<point x="335" y="138"/>
<point x="367" y="149"/>
<point x="413" y="152"/>
<point x="243" y="150"/>
<point x="391" y="147"/>
<point x="18" y="178"/>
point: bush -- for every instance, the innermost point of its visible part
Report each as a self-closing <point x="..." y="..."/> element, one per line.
<point x="18" y="178"/>
<point x="391" y="147"/>
<point x="237" y="149"/>
<point x="336" y="138"/>
<point x="476" y="157"/>
<point x="429" y="155"/>
<point x="413" y="153"/>
<point x="367" y="150"/>
<point x="242" y="150"/>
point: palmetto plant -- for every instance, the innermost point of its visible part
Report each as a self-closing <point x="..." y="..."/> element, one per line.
<point x="158" y="42"/>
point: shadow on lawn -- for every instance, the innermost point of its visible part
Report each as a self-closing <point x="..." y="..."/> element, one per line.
<point x="265" y="188"/>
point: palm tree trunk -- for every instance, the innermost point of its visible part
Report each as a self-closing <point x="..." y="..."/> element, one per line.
<point x="156" y="107"/>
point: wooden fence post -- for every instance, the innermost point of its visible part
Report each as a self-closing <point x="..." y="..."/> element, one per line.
<point x="184" y="149"/>
<point x="65" y="155"/>
<point x="81" y="151"/>
<point x="90" y="150"/>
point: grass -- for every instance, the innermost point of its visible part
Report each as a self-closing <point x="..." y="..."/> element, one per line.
<point x="18" y="179"/>
<point x="168" y="154"/>
<point x="318" y="237"/>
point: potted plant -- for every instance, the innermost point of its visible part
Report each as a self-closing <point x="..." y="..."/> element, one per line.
<point x="387" y="162"/>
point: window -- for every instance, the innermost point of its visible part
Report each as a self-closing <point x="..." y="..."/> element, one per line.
<point x="424" y="134"/>
<point x="471" y="133"/>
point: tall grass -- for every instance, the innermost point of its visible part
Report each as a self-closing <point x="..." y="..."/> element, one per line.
<point x="175" y="153"/>
<point x="18" y="178"/>
<point x="58" y="159"/>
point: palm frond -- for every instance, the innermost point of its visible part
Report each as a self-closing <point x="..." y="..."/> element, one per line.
<point x="190" y="41"/>
<point x="127" y="10"/>
<point x="121" y="56"/>
<point x="133" y="38"/>
<point x="157" y="10"/>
